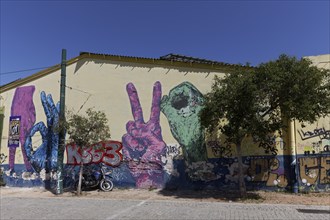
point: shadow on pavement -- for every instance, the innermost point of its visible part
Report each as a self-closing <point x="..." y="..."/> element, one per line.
<point x="210" y="194"/>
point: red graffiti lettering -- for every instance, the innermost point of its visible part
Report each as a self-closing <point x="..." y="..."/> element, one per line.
<point x="107" y="152"/>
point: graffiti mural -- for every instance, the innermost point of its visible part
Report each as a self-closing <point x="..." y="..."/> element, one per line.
<point x="315" y="141"/>
<point x="107" y="152"/>
<point x="143" y="145"/>
<point x="22" y="107"/>
<point x="271" y="145"/>
<point x="144" y="159"/>
<point x="267" y="170"/>
<point x="202" y="170"/>
<point x="173" y="152"/>
<point x="45" y="156"/>
<point x="181" y="108"/>
<point x="314" y="162"/>
<point x="220" y="149"/>
<point x="314" y="170"/>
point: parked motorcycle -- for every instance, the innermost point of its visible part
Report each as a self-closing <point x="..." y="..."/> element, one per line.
<point x="97" y="179"/>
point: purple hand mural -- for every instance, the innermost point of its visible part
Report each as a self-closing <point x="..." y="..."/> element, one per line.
<point x="143" y="144"/>
<point x="22" y="105"/>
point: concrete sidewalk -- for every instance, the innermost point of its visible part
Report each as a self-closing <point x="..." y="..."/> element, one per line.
<point x="20" y="206"/>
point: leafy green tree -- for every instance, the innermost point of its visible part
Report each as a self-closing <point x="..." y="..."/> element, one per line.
<point x="233" y="106"/>
<point x="85" y="130"/>
<point x="259" y="101"/>
<point x="299" y="90"/>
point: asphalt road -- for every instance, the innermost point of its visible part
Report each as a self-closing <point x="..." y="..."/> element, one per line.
<point x="96" y="208"/>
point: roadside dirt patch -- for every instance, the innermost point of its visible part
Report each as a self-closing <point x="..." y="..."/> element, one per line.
<point x="202" y="195"/>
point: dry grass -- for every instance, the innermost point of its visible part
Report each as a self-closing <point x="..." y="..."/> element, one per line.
<point x="201" y="195"/>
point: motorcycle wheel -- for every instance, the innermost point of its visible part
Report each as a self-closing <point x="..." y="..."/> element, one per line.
<point x="106" y="185"/>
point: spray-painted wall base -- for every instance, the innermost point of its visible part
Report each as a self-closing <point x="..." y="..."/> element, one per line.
<point x="276" y="173"/>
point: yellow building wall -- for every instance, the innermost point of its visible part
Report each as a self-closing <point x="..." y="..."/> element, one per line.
<point x="314" y="139"/>
<point x="101" y="85"/>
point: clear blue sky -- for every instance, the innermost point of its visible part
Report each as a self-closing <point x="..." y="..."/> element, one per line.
<point x="33" y="33"/>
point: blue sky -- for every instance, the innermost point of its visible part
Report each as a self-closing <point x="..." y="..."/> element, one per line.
<point x="33" y="33"/>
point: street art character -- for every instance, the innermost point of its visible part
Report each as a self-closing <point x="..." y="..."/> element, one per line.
<point x="23" y="108"/>
<point x="182" y="107"/>
<point x="45" y="156"/>
<point x="143" y="144"/>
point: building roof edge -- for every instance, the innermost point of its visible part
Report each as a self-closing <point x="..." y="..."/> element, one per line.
<point x="171" y="60"/>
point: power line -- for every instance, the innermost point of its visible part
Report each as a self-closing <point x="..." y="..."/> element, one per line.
<point x="25" y="70"/>
<point x="151" y="0"/>
<point x="79" y="90"/>
<point x="141" y="0"/>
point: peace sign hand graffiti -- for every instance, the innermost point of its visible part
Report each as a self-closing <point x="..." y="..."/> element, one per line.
<point x="143" y="144"/>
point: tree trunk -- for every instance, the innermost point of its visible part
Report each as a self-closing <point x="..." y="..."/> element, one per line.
<point x="241" y="183"/>
<point x="80" y="178"/>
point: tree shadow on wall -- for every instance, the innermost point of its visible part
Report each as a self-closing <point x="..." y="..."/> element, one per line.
<point x="213" y="195"/>
<point x="181" y="186"/>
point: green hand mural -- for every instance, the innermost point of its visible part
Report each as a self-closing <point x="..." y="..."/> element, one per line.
<point x="182" y="107"/>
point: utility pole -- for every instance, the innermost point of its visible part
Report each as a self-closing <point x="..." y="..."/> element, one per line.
<point x="61" y="143"/>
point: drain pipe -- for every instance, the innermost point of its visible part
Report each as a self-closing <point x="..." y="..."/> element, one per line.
<point x="294" y="160"/>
